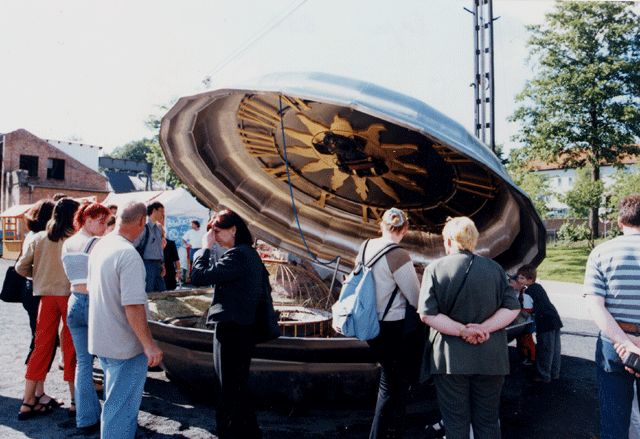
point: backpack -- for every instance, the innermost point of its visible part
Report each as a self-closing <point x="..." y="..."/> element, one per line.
<point x="355" y="314"/>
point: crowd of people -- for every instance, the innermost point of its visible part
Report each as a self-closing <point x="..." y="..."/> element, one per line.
<point x="90" y="267"/>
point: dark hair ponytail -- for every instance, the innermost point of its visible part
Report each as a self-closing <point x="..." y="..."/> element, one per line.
<point x="60" y="226"/>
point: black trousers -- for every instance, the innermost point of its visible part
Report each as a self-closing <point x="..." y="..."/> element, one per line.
<point x="392" y="350"/>
<point x="232" y="351"/>
<point x="470" y="400"/>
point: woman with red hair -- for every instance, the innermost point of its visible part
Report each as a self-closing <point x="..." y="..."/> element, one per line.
<point x="90" y="222"/>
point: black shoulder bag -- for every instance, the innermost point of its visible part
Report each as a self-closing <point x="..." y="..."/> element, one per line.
<point x="265" y="325"/>
<point x="13" y="285"/>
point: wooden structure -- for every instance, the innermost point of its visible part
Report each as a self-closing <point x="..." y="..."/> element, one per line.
<point x="13" y="230"/>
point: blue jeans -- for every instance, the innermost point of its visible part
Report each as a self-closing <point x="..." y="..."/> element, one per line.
<point x="124" y="384"/>
<point x="153" y="280"/>
<point x="615" y="392"/>
<point x="88" y="406"/>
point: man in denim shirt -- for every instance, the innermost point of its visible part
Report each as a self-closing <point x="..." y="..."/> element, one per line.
<point x="612" y="287"/>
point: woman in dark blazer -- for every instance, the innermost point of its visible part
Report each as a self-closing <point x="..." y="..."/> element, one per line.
<point x="238" y="282"/>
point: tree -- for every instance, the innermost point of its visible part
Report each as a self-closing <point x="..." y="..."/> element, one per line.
<point x="583" y="104"/>
<point x="536" y="186"/>
<point x="134" y="150"/>
<point x="161" y="170"/>
<point x="585" y="195"/>
<point x="149" y="149"/>
<point x="624" y="183"/>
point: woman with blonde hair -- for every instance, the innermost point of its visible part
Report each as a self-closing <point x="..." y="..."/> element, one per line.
<point x="466" y="300"/>
<point x="397" y="289"/>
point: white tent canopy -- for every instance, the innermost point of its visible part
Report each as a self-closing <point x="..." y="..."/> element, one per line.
<point x="180" y="208"/>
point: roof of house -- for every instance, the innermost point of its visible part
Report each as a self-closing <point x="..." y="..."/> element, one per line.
<point x="120" y="182"/>
<point x="539" y="165"/>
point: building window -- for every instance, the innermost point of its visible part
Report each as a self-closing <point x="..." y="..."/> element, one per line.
<point x="29" y="163"/>
<point x="55" y="169"/>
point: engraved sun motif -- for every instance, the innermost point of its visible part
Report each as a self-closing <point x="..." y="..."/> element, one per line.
<point x="355" y="154"/>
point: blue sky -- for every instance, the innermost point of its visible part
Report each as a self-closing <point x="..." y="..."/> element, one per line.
<point x="94" y="70"/>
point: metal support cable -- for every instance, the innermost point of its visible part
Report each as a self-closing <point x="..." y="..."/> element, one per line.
<point x="269" y="26"/>
<point x="335" y="260"/>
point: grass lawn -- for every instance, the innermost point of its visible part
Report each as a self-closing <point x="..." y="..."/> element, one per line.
<point x="564" y="262"/>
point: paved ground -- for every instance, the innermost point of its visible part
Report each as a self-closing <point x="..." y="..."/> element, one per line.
<point x="565" y="410"/>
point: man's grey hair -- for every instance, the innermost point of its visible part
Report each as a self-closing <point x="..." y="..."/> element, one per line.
<point x="132" y="212"/>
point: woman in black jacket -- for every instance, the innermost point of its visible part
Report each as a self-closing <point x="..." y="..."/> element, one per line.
<point x="238" y="282"/>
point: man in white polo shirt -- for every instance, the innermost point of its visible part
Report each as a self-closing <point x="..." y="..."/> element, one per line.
<point x="118" y="330"/>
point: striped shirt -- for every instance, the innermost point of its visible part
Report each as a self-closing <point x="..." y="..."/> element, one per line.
<point x="613" y="272"/>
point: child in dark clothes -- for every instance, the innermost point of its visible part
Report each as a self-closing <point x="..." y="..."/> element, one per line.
<point x="524" y="342"/>
<point x="548" y="326"/>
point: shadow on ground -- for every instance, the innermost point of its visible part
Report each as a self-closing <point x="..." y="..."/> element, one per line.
<point x="566" y="408"/>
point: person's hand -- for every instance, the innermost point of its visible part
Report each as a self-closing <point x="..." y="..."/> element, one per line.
<point x="470" y="335"/>
<point x="163" y="270"/>
<point x="153" y="354"/>
<point x="477" y="333"/>
<point x="209" y="239"/>
<point x="623" y="348"/>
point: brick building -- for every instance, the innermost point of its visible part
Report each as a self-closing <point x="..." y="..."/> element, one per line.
<point x="32" y="169"/>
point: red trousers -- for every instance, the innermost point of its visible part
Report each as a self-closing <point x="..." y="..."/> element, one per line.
<point x="52" y="309"/>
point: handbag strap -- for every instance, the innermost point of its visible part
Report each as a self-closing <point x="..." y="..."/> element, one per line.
<point x="90" y="243"/>
<point x="388" y="307"/>
<point x="466" y="274"/>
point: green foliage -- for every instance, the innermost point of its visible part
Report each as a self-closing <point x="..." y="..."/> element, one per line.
<point x="537" y="188"/>
<point x="134" y="150"/>
<point x="583" y="104"/>
<point x="161" y="170"/>
<point x="585" y="195"/>
<point x="573" y="232"/>
<point x="149" y="149"/>
<point x="624" y="183"/>
<point x="535" y="185"/>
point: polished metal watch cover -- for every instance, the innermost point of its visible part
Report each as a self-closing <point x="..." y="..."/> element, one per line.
<point x="353" y="149"/>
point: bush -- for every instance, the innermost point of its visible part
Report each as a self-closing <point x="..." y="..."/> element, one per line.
<point x="573" y="232"/>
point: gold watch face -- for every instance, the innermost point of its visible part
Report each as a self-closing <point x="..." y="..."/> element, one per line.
<point x="359" y="163"/>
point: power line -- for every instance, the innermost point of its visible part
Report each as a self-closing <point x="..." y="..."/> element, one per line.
<point x="268" y="27"/>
